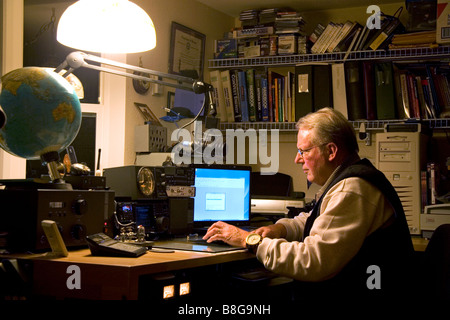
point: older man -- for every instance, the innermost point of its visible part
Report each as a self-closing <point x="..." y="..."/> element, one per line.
<point x="355" y="240"/>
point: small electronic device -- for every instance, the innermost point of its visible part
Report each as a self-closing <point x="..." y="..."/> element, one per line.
<point x="54" y="238"/>
<point x="102" y="245"/>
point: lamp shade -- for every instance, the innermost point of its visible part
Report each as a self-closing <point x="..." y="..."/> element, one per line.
<point x="108" y="26"/>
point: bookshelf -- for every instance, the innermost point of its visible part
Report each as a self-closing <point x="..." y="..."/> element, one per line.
<point x="423" y="53"/>
<point x="289" y="60"/>
<point x="371" y="125"/>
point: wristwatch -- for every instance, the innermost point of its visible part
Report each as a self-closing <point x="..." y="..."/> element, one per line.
<point x="252" y="241"/>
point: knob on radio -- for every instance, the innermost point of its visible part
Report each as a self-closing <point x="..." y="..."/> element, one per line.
<point x="80" y="206"/>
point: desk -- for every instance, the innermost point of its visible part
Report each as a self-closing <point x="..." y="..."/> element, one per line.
<point x="114" y="278"/>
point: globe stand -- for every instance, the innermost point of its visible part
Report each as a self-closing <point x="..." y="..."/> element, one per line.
<point x="51" y="160"/>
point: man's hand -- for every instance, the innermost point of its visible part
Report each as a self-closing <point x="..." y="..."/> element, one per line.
<point x="227" y="233"/>
<point x="272" y="231"/>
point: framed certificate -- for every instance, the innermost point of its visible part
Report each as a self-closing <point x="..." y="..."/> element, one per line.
<point x="187" y="52"/>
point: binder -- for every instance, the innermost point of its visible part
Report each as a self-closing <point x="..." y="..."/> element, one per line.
<point x="385" y="91"/>
<point x="322" y="87"/>
<point x="355" y="90"/>
<point x="303" y="90"/>
<point x="369" y="90"/>
<point x="339" y="91"/>
<point x="216" y="82"/>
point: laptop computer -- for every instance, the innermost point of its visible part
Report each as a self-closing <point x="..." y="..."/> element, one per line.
<point x="222" y="193"/>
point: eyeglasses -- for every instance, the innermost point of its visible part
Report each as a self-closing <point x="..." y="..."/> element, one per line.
<point x="302" y="152"/>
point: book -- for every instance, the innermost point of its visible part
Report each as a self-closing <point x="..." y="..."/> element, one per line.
<point x="401" y="107"/>
<point x="216" y="82"/>
<point x="235" y="94"/>
<point x="264" y="99"/>
<point x="251" y="94"/>
<point x="339" y="91"/>
<point x="340" y="35"/>
<point x="225" y="49"/>
<point x="355" y="90"/>
<point x="227" y="93"/>
<point x="344" y="43"/>
<point x="384" y="91"/>
<point x="387" y="32"/>
<point x="243" y="96"/>
<point x="330" y="38"/>
<point x="374" y="33"/>
<point x="320" y="43"/>
<point x="413" y="96"/>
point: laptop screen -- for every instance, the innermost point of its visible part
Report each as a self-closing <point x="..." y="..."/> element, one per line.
<point x="222" y="193"/>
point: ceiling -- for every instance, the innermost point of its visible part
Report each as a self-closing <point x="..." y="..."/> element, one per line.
<point x="234" y="7"/>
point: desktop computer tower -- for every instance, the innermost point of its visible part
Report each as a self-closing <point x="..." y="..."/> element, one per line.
<point x="401" y="156"/>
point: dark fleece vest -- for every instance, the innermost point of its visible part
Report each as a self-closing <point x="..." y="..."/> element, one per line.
<point x="389" y="248"/>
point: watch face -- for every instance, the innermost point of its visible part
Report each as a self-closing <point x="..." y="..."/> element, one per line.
<point x="146" y="181"/>
<point x="253" y="239"/>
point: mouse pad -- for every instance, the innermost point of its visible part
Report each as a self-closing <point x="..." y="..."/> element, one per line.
<point x="191" y="246"/>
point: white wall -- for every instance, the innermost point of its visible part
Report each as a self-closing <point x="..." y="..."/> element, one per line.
<point x="11" y="167"/>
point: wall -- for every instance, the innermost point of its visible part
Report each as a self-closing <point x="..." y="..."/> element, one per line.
<point x="190" y="14"/>
<point x="12" y="42"/>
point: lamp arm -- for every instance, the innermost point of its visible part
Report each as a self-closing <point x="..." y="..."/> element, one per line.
<point x="79" y="59"/>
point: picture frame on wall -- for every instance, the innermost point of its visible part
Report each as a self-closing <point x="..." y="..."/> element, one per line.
<point x="187" y="52"/>
<point x="147" y="114"/>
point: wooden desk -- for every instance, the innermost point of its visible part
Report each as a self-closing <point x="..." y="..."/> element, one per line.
<point x="114" y="278"/>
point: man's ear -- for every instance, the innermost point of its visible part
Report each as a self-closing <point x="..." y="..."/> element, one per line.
<point x="332" y="149"/>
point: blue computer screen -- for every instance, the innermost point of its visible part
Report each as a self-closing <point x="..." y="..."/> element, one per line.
<point x="222" y="195"/>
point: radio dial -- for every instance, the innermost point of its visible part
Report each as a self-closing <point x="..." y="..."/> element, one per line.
<point x="146" y="181"/>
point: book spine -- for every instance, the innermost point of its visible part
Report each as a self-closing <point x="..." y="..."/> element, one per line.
<point x="384" y="34"/>
<point x="405" y="94"/>
<point x="264" y="99"/>
<point x="235" y="94"/>
<point x="214" y="77"/>
<point x="251" y="94"/>
<point x="243" y="97"/>
<point x="228" y="96"/>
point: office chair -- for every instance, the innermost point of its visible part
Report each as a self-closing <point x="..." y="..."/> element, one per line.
<point x="435" y="266"/>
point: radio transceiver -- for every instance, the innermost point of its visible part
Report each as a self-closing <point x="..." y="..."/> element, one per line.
<point x="147" y="182"/>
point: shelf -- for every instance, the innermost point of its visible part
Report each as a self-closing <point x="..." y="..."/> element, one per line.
<point x="290" y="126"/>
<point x="395" y="54"/>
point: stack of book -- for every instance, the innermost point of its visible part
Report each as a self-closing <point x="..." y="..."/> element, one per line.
<point x="336" y="37"/>
<point x="414" y="40"/>
<point x="262" y="33"/>
<point x="249" y="17"/>
<point x="351" y="36"/>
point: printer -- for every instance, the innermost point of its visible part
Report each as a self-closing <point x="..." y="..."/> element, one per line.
<point x="433" y="216"/>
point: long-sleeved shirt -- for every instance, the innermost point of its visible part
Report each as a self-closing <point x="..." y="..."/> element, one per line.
<point x="350" y="211"/>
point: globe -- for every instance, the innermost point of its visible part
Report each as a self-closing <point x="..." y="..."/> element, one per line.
<point x="42" y="111"/>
